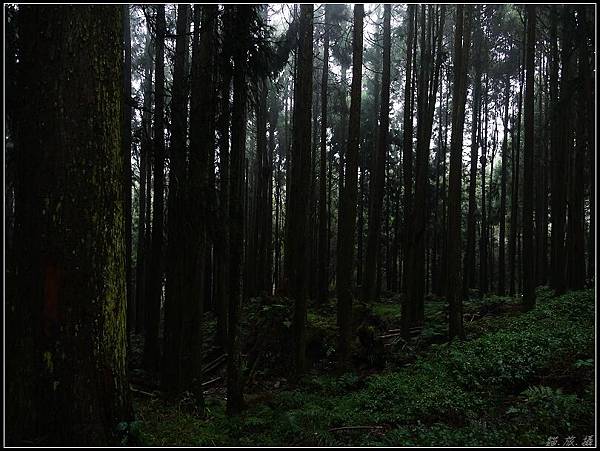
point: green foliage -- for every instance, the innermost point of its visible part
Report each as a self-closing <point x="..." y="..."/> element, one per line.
<point x="387" y="310"/>
<point x="553" y="412"/>
<point x="486" y="391"/>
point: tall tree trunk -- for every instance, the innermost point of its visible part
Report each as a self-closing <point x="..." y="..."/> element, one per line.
<point x="298" y="243"/>
<point x="262" y="201"/>
<point x="145" y="192"/>
<point x="344" y="135"/>
<point x="155" y="276"/>
<point x="407" y="312"/>
<point x="501" y="251"/>
<point x="427" y="92"/>
<point x="66" y="324"/>
<point x="323" y="265"/>
<point x="462" y="41"/>
<point x="443" y="276"/>
<point x="485" y="198"/>
<point x="173" y="377"/>
<point x="514" y="196"/>
<point x="347" y="217"/>
<point x="576" y="219"/>
<point x="377" y="179"/>
<point x="241" y="23"/>
<point x="469" y="263"/>
<point x="222" y="249"/>
<point x="540" y="188"/>
<point x="560" y="152"/>
<point x="127" y="167"/>
<point x="528" y="153"/>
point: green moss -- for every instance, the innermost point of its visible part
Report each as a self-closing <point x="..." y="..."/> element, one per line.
<point x="48" y="361"/>
<point x="387" y="310"/>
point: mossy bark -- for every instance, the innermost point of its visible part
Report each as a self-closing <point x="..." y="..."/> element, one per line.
<point x="66" y="382"/>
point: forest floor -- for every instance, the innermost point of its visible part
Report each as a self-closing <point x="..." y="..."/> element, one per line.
<point x="517" y="379"/>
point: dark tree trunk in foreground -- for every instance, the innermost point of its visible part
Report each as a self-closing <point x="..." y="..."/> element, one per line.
<point x="462" y="41"/>
<point x="66" y="331"/>
<point x="345" y="258"/>
<point x="298" y="239"/>
<point x="377" y="180"/>
<point x="155" y="274"/>
<point x="528" y="153"/>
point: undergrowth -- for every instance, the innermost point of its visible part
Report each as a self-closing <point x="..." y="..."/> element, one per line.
<point x="525" y="378"/>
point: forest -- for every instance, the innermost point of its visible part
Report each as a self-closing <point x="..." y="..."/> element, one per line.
<point x="300" y="225"/>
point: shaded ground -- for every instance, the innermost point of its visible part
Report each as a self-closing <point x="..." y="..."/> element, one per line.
<point x="518" y="379"/>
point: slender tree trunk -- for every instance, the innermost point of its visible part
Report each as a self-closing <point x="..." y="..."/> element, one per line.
<point x="485" y="198"/>
<point x="347" y="217"/>
<point x="298" y="243"/>
<point x="377" y="180"/>
<point x="241" y="23"/>
<point x="408" y="310"/>
<point x="344" y="135"/>
<point x="155" y="276"/>
<point x="323" y="265"/>
<point x="576" y="225"/>
<point x="127" y="168"/>
<point x="501" y="251"/>
<point x="514" y="213"/>
<point x="560" y="152"/>
<point x="145" y="192"/>
<point x="427" y="92"/>
<point x="469" y="263"/>
<point x="462" y="41"/>
<point x="540" y="189"/>
<point x="222" y="244"/>
<point x="528" y="153"/>
<point x="173" y="378"/>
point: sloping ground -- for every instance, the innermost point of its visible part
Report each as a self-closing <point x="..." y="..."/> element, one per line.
<point x="527" y="379"/>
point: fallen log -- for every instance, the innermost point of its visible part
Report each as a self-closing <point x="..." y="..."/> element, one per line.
<point x="396" y="334"/>
<point x="349" y="428"/>
<point x="214" y="364"/>
<point x="142" y="392"/>
<point x="212" y="381"/>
